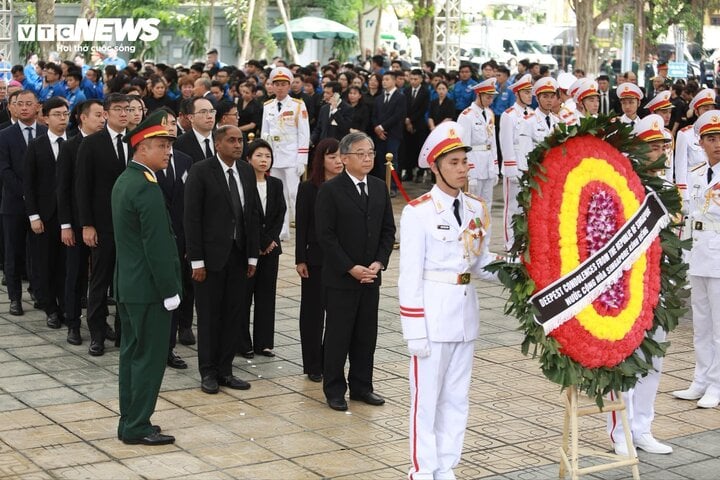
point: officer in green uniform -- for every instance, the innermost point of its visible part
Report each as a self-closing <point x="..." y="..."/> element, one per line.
<point x="147" y="280"/>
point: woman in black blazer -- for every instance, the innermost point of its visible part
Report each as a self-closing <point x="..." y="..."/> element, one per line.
<point x="360" y="111"/>
<point x="442" y="108"/>
<point x="263" y="284"/>
<point x="326" y="164"/>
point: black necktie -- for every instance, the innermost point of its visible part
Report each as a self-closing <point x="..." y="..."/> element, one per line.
<point x="709" y="175"/>
<point x="387" y="97"/>
<point x="632" y="123"/>
<point x="208" y="150"/>
<point x="170" y="172"/>
<point x="547" y="120"/>
<point x="484" y="115"/>
<point x="59" y="142"/>
<point x="279" y="106"/>
<point x="525" y="112"/>
<point x="235" y="199"/>
<point x="363" y="195"/>
<point x="29" y="134"/>
<point x="456" y="210"/>
<point x="414" y="93"/>
<point x="120" y="149"/>
<point x="603" y="104"/>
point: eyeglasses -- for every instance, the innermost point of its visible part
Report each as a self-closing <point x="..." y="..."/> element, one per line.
<point x="60" y="114"/>
<point x="370" y="154"/>
<point x="25" y="104"/>
<point x="206" y="112"/>
<point x="120" y="110"/>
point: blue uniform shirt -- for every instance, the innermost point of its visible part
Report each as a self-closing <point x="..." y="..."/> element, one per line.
<point x="503" y="100"/>
<point x="462" y="94"/>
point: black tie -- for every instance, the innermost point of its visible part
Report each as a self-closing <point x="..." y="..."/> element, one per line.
<point x="525" y="112"/>
<point x="120" y="149"/>
<point x="170" y="172"/>
<point x="603" y="104"/>
<point x="387" y="97"/>
<point x="484" y="115"/>
<point x="363" y="195"/>
<point x="29" y="135"/>
<point x="414" y="93"/>
<point x="59" y="142"/>
<point x="208" y="150"/>
<point x="709" y="175"/>
<point x="235" y="199"/>
<point x="632" y="123"/>
<point x="547" y="120"/>
<point x="456" y="210"/>
<point x="279" y="106"/>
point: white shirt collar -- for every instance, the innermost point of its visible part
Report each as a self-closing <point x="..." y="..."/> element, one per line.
<point x="53" y="138"/>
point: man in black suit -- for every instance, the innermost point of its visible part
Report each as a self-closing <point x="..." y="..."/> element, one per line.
<point x="334" y="117"/>
<point x="172" y="183"/>
<point x="101" y="159"/>
<point x="92" y="120"/>
<point x="356" y="230"/>
<point x="46" y="250"/>
<point x="13" y="145"/>
<point x="388" y="118"/>
<point x="416" y="127"/>
<point x="198" y="141"/>
<point x="222" y="234"/>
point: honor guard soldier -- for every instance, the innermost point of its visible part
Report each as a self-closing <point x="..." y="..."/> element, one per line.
<point x="630" y="96"/>
<point x="514" y="163"/>
<point x="661" y="105"/>
<point x="542" y="122"/>
<point x="704" y="210"/>
<point x="567" y="110"/>
<point x="640" y="400"/>
<point x="688" y="152"/>
<point x="587" y="99"/>
<point x="147" y="279"/>
<point x="286" y="127"/>
<point x="477" y="124"/>
<point x="444" y="243"/>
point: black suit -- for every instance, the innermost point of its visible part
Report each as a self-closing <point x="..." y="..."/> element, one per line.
<point x="391" y="116"/>
<point x="417" y="109"/>
<point x="174" y="192"/>
<point x="264" y="284"/>
<point x="309" y="252"/>
<point x="46" y="249"/>
<point x="15" y="222"/>
<point x="336" y="125"/>
<point x="76" y="257"/>
<point x="352" y="233"/>
<point x="97" y="168"/>
<point x="210" y="228"/>
<point x="614" y="102"/>
<point x="188" y="144"/>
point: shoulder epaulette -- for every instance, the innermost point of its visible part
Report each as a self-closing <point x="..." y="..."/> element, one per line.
<point x="474" y="197"/>
<point x="466" y="111"/>
<point x="509" y="110"/>
<point x="297" y="100"/>
<point x="149" y="177"/>
<point x="421" y="199"/>
<point x="269" y="101"/>
<point x="697" y="167"/>
<point x="687" y="127"/>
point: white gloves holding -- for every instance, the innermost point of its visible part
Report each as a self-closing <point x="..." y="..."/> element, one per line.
<point x="300" y="170"/>
<point x="419" y="347"/>
<point x="172" y="303"/>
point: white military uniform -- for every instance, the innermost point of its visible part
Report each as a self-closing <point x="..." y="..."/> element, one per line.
<point x="567" y="111"/>
<point x="534" y="129"/>
<point x="435" y="252"/>
<point x="688" y="155"/>
<point x="478" y="131"/>
<point x="287" y="129"/>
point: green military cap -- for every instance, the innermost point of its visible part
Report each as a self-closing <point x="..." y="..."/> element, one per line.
<point x="154" y="126"/>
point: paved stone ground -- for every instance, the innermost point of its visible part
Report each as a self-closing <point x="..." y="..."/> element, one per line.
<point x="58" y="408"/>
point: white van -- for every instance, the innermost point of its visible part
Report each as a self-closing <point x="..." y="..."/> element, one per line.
<point x="519" y="49"/>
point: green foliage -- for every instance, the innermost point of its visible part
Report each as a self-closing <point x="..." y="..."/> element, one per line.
<point x="345" y="12"/>
<point x="27" y="48"/>
<point x="559" y="368"/>
<point x="194" y="28"/>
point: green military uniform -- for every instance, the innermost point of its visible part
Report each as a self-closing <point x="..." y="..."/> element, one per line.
<point x="147" y="271"/>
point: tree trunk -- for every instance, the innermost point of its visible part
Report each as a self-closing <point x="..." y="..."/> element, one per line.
<point x="361" y="35"/>
<point x="245" y="44"/>
<point x="378" y="28"/>
<point x="290" y="40"/>
<point x="211" y="25"/>
<point x="425" y="29"/>
<point x="259" y="30"/>
<point x="46" y="15"/>
<point x="584" y="17"/>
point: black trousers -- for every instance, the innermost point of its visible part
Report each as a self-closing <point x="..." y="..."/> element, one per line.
<point x="219" y="303"/>
<point x="102" y="266"/>
<point x="76" y="279"/>
<point x="312" y="320"/>
<point x="15" y="231"/>
<point x="261" y="287"/>
<point x="183" y="315"/>
<point x="350" y="333"/>
<point x="48" y="267"/>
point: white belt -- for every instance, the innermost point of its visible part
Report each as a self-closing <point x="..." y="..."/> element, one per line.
<point x="481" y="148"/>
<point x="447" y="277"/>
<point x="705" y="226"/>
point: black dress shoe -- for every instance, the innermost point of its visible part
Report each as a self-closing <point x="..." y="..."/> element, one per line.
<point x="315" y="377"/>
<point x="369" y="397"/>
<point x="156" y="429"/>
<point x="249" y="354"/>
<point x="186" y="336"/>
<point x="266" y="352"/>
<point x="233" y="382"/>
<point x="338" y="404"/>
<point x="83" y="302"/>
<point x="174" y="361"/>
<point x="97" y="348"/>
<point x="151" y="440"/>
<point x="4" y="280"/>
<point x="209" y="384"/>
<point x="110" y="333"/>
<point x="73" y="337"/>
<point x="16" y="308"/>
<point x="53" y="320"/>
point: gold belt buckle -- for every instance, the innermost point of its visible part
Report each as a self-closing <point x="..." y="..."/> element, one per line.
<point x="463" y="278"/>
<point x="698" y="226"/>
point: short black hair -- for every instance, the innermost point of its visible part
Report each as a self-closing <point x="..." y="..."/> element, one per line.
<point x="52" y="103"/>
<point x="54" y="67"/>
<point x="114" y="98"/>
<point x="602" y="77"/>
<point x="431" y="65"/>
<point x="334" y="85"/>
<point x="256" y="144"/>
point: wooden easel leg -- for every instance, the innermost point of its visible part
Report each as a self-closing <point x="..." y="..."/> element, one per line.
<point x="628" y="434"/>
<point x="574" y="453"/>
<point x="566" y="433"/>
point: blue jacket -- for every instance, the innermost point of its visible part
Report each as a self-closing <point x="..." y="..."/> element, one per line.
<point x="503" y="100"/>
<point x="462" y="94"/>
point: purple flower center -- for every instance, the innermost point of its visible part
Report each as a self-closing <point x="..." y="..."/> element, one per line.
<point x="601" y="226"/>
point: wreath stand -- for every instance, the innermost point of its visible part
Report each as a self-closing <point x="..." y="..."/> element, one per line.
<point x="569" y="454"/>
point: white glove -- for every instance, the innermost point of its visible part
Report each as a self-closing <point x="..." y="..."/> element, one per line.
<point x="496" y="180"/>
<point x="172" y="303"/>
<point x="300" y="170"/>
<point x="472" y="182"/>
<point x="419" y="347"/>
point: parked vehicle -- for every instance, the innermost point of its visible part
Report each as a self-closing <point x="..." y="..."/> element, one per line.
<point x="520" y="49"/>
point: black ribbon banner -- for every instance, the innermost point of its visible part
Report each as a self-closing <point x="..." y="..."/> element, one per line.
<point x="565" y="297"/>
